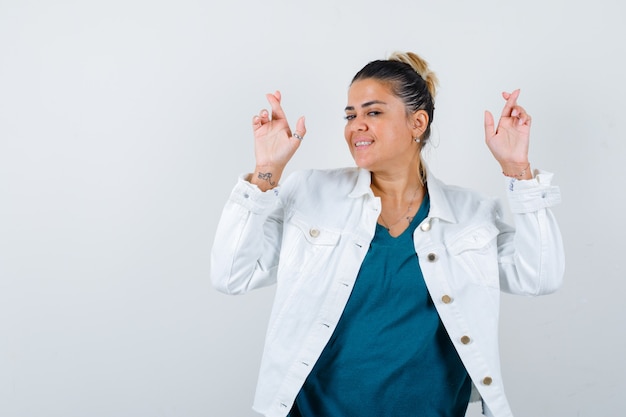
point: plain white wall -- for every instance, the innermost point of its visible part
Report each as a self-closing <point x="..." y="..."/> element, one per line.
<point x="123" y="125"/>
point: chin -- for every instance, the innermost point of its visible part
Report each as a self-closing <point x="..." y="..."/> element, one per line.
<point x="366" y="167"/>
<point x="360" y="162"/>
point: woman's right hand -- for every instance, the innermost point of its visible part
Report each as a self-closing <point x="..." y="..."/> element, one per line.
<point x="274" y="143"/>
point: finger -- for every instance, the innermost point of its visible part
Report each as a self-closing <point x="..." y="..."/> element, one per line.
<point x="276" y="94"/>
<point x="489" y="125"/>
<point x="300" y="129"/>
<point x="520" y="113"/>
<point x="256" y="122"/>
<point x="264" y="115"/>
<point x="260" y="118"/>
<point x="511" y="101"/>
<point x="524" y="119"/>
<point x="277" y="110"/>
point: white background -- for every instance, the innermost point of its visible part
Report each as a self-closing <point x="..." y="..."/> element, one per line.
<point x="123" y="126"/>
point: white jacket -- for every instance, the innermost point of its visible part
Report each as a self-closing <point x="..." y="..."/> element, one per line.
<point x="310" y="236"/>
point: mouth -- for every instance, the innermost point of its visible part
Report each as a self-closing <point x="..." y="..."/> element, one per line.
<point x="362" y="143"/>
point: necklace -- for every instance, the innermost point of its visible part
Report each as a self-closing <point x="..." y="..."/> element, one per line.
<point x="404" y="215"/>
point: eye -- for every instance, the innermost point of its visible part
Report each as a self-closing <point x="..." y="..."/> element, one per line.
<point x="373" y="113"/>
<point x="349" y="117"/>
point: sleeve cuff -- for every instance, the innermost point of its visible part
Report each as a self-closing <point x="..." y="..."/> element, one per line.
<point x="526" y="196"/>
<point x="251" y="197"/>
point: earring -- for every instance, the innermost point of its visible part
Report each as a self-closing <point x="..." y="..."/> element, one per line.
<point x="417" y="140"/>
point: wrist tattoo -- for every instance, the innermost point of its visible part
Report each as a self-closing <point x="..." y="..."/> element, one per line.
<point x="267" y="176"/>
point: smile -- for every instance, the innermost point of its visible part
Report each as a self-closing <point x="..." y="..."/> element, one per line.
<point x="362" y="143"/>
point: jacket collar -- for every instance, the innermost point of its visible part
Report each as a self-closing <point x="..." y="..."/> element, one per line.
<point x="440" y="205"/>
<point x="362" y="185"/>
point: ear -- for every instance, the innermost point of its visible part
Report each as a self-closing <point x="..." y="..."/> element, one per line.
<point x="419" y="123"/>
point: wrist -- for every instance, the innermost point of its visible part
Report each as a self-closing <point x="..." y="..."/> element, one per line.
<point x="520" y="171"/>
<point x="265" y="177"/>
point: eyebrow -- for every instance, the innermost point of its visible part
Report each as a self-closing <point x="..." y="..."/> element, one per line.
<point x="366" y="104"/>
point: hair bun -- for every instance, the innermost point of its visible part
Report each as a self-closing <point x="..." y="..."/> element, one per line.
<point x="420" y="66"/>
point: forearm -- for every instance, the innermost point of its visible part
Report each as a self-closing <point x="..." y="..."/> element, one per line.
<point x="531" y="255"/>
<point x="247" y="240"/>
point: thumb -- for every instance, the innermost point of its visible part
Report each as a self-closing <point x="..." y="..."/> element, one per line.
<point x="301" y="127"/>
<point x="489" y="125"/>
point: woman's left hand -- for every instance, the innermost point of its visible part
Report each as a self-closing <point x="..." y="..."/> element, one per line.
<point x="508" y="142"/>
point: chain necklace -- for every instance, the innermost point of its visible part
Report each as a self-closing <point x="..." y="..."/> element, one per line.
<point x="409" y="219"/>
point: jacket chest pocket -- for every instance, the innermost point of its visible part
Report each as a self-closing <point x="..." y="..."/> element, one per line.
<point x="306" y="245"/>
<point x="475" y="251"/>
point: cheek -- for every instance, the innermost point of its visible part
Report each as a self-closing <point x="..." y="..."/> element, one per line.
<point x="404" y="132"/>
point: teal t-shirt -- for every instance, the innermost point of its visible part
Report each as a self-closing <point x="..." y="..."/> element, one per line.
<point x="390" y="354"/>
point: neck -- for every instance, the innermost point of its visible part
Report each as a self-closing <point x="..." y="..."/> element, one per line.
<point x="397" y="186"/>
<point x="400" y="197"/>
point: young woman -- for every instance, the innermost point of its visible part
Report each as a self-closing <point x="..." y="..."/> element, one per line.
<point x="387" y="279"/>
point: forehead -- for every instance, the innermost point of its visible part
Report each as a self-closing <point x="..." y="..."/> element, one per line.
<point x="368" y="90"/>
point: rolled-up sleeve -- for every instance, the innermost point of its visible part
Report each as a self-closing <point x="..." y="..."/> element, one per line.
<point x="531" y="255"/>
<point x="247" y="241"/>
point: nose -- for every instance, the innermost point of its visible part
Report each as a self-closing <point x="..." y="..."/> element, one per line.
<point x="358" y="124"/>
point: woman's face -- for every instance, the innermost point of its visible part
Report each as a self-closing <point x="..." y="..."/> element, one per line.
<point x="378" y="131"/>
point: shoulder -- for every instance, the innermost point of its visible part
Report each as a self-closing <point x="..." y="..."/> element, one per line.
<point x="334" y="174"/>
<point x="319" y="194"/>
<point x="340" y="180"/>
<point x="463" y="194"/>
<point x="462" y="203"/>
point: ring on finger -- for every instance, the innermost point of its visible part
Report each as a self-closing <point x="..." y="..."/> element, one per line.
<point x="297" y="136"/>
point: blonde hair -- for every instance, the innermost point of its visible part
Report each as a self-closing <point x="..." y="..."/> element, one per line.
<point x="420" y="66"/>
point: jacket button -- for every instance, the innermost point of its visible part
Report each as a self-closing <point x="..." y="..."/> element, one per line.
<point x="465" y="340"/>
<point x="425" y="226"/>
<point x="446" y="299"/>
<point x="432" y="257"/>
<point x="314" y="232"/>
<point x="487" y="380"/>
